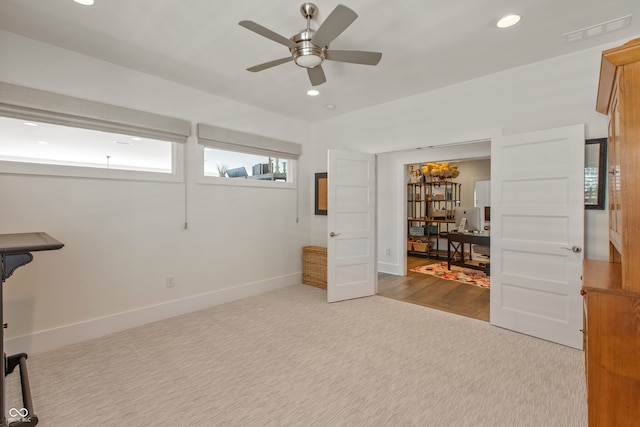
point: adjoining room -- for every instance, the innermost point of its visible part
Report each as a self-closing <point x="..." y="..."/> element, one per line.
<point x="434" y="190"/>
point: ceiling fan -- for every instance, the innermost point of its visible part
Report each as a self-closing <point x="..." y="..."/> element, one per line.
<point x="310" y="48"/>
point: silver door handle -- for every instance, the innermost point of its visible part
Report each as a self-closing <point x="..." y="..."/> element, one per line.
<point x="332" y="234"/>
<point x="574" y="249"/>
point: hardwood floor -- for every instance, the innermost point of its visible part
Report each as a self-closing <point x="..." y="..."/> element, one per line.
<point x="430" y="291"/>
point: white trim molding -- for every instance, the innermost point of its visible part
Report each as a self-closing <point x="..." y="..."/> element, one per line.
<point x="50" y="339"/>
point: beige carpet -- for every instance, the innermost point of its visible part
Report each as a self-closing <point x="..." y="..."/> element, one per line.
<point x="287" y="358"/>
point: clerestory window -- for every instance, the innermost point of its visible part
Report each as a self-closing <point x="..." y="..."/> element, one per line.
<point x="52" y="134"/>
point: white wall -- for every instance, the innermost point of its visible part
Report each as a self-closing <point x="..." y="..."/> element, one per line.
<point x="122" y="239"/>
<point x="552" y="93"/>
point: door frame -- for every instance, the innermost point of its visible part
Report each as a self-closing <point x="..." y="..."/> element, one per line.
<point x="475" y="149"/>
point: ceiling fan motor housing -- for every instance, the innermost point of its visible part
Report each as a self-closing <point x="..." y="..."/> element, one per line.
<point x="307" y="54"/>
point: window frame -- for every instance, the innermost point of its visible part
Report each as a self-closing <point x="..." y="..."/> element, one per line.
<point x="292" y="175"/>
<point x="24" y="103"/>
<point x="242" y="142"/>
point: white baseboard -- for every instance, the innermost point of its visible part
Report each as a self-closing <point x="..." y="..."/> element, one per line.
<point x="395" y="269"/>
<point x="50" y="339"/>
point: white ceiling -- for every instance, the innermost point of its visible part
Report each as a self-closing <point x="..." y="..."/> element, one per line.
<point x="426" y="44"/>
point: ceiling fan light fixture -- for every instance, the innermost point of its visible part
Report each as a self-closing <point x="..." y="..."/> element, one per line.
<point x="308" y="61"/>
<point x="308" y="55"/>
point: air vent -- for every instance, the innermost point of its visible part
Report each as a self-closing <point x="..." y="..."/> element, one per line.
<point x="599" y="29"/>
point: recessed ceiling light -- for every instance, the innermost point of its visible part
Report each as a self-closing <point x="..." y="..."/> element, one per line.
<point x="313" y="92"/>
<point x="84" y="2"/>
<point x="330" y="107"/>
<point x="508" y="21"/>
<point x="30" y="124"/>
<point x="43" y="142"/>
<point x="136" y="138"/>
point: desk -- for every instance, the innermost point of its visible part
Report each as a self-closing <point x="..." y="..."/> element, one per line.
<point x="15" y="251"/>
<point x="455" y="249"/>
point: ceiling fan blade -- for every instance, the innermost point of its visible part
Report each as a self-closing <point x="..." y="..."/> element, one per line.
<point x="316" y="75"/>
<point x="265" y="32"/>
<point x="269" y="64"/>
<point x="334" y="25"/>
<point x="354" y="56"/>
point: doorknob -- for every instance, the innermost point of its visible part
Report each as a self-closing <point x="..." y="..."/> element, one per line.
<point x="332" y="234"/>
<point x="574" y="249"/>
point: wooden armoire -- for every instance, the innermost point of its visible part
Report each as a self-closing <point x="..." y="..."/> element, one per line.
<point x="612" y="289"/>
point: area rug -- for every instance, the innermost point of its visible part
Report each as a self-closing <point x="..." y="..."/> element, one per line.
<point x="459" y="274"/>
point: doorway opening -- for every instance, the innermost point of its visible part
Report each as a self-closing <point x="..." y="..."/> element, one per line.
<point x="431" y="202"/>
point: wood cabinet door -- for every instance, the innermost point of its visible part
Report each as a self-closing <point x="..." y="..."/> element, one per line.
<point x="628" y="185"/>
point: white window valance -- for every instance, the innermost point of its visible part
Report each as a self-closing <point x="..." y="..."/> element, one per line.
<point x="36" y="105"/>
<point x="233" y="140"/>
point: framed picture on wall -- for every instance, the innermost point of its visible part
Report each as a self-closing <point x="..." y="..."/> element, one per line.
<point x="321" y="193"/>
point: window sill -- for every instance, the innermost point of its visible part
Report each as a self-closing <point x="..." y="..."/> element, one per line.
<point x="243" y="182"/>
<point x="21" y="168"/>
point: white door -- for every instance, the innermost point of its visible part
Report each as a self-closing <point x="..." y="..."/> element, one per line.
<point x="351" y="219"/>
<point x="537" y="233"/>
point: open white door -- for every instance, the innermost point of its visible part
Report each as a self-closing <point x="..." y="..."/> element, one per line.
<point x="351" y="219"/>
<point x="537" y="233"/>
